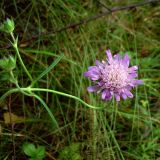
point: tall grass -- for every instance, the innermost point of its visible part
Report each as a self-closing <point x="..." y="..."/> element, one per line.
<point x="128" y="130"/>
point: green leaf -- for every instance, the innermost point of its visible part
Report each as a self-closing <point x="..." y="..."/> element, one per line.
<point x="48" y="69"/>
<point x="29" y="149"/>
<point x="40" y="153"/>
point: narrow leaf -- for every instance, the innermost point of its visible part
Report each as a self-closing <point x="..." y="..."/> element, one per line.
<point x="48" y="69"/>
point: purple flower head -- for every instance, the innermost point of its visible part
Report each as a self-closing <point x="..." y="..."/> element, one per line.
<point x="113" y="77"/>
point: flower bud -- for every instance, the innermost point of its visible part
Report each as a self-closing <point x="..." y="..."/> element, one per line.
<point x="8" y="64"/>
<point x="7" y="26"/>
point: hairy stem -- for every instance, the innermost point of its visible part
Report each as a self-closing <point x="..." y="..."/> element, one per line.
<point x="15" y="45"/>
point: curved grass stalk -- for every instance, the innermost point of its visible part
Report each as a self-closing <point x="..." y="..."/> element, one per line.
<point x="66" y="95"/>
<point x="48" y="110"/>
<point x="29" y="90"/>
<point x="115" y="141"/>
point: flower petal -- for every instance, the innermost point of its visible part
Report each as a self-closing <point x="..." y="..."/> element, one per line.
<point x="106" y="95"/>
<point x="129" y="94"/>
<point x="88" y="74"/>
<point x="117" y="57"/>
<point x="126" y="60"/>
<point x="92" y="68"/>
<point x="109" y="55"/>
<point x="95" y="77"/>
<point x="101" y="83"/>
<point x="133" y="75"/>
<point x="137" y="82"/>
<point x="133" y="69"/>
<point x="124" y="96"/>
<point x="98" y="63"/>
<point x="93" y="74"/>
<point x="117" y="97"/>
<point x="93" y="88"/>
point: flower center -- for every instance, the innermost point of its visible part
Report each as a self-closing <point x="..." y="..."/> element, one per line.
<point x="115" y="76"/>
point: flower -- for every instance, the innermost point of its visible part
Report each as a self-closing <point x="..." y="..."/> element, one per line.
<point x="113" y="77"/>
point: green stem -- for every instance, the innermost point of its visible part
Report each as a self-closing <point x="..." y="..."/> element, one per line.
<point x="14" y="90"/>
<point x="94" y="135"/>
<point x="18" y="54"/>
<point x="65" y="95"/>
<point x="29" y="90"/>
<point x="17" y="85"/>
<point x="115" y="115"/>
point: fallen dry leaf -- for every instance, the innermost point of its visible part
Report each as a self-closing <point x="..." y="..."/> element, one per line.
<point x="14" y="118"/>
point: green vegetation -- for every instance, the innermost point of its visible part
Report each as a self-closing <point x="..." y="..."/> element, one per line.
<point x="46" y="111"/>
<point x="33" y="152"/>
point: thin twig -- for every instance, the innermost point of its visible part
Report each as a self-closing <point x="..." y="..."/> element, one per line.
<point x="95" y="17"/>
<point x="87" y="20"/>
<point x="102" y="4"/>
<point x="84" y="21"/>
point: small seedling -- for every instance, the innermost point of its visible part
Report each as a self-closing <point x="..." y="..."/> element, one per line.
<point x="34" y="153"/>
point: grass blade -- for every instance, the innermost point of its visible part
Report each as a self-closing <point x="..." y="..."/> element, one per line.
<point x="47" y="70"/>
